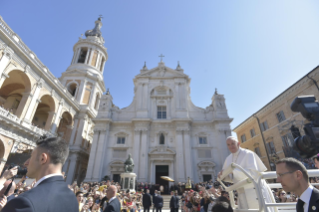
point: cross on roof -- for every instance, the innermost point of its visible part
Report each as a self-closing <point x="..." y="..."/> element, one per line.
<point x="161" y="56"/>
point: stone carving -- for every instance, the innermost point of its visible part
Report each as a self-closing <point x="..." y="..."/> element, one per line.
<point x="129" y="164"/>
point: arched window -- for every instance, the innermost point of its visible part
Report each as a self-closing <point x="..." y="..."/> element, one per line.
<point x="72" y="89"/>
<point x="82" y="55"/>
<point x="161" y="139"/>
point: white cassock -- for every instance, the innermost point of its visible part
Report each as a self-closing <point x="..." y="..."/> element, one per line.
<point x="249" y="161"/>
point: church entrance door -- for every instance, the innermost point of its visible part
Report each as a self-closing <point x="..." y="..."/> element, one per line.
<point x="161" y="171"/>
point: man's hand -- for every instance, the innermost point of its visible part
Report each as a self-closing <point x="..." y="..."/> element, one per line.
<point x="9" y="173"/>
<point x="220" y="173"/>
<point x="3" y="202"/>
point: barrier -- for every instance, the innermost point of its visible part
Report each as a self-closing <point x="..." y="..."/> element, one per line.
<point x="281" y="207"/>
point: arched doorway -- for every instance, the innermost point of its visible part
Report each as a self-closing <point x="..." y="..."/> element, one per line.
<point x="44" y="113"/>
<point x="15" y="91"/>
<point x="65" y="126"/>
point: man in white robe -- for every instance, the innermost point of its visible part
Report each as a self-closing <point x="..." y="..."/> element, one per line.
<point x="248" y="160"/>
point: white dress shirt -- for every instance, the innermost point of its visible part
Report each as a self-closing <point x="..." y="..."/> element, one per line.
<point x="45" y="177"/>
<point x="111" y="199"/>
<point x="305" y="197"/>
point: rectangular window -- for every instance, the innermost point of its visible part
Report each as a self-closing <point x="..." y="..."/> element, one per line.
<point x="119" y="153"/>
<point x="252" y="133"/>
<point x="287" y="140"/>
<point x="264" y="126"/>
<point x="270" y="147"/>
<point x="202" y="140"/>
<point x="281" y="116"/>
<point x="204" y="153"/>
<point x="94" y="58"/>
<point x="243" y="138"/>
<point x="161" y="112"/>
<point x="257" y="151"/>
<point x="121" y="140"/>
<point x="82" y="55"/>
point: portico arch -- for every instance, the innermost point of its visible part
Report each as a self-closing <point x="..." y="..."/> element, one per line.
<point x="65" y="126"/>
<point x="44" y="113"/>
<point x="15" y="91"/>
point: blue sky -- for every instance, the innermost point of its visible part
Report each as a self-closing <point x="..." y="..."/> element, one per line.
<point x="250" y="50"/>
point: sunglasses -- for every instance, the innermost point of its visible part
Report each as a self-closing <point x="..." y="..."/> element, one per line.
<point x="283" y="193"/>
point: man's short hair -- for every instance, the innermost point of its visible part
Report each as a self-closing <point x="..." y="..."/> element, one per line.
<point x="79" y="192"/>
<point x="293" y="164"/>
<point x="221" y="206"/>
<point x="316" y="157"/>
<point x="56" y="147"/>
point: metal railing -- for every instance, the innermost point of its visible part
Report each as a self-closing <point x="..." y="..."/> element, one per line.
<point x="257" y="184"/>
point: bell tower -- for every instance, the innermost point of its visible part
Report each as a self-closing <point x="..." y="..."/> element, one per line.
<point x="83" y="79"/>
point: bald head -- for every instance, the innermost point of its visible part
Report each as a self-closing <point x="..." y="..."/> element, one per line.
<point x="111" y="191"/>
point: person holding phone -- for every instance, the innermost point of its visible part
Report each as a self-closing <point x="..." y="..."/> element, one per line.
<point x="50" y="192"/>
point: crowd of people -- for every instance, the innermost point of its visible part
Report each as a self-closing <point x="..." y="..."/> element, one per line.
<point x="49" y="192"/>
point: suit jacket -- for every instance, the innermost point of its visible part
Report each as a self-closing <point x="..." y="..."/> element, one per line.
<point x="158" y="201"/>
<point x="154" y="197"/>
<point x="174" y="203"/>
<point x="113" y="206"/>
<point x="314" y="200"/>
<point x="51" y="195"/>
<point x="147" y="201"/>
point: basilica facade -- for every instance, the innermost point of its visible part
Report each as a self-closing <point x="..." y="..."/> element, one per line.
<point x="166" y="134"/>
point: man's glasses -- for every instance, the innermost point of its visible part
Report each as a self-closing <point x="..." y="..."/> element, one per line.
<point x="280" y="175"/>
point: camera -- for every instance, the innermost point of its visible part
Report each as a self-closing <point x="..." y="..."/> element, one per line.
<point x="21" y="171"/>
<point x="306" y="145"/>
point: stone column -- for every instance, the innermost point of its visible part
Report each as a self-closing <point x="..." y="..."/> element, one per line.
<point x="3" y="78"/>
<point x="23" y="104"/>
<point x="89" y="173"/>
<point x="98" y="155"/>
<point x="87" y="56"/>
<point x="180" y="157"/>
<point x="79" y="131"/>
<point x="154" y="109"/>
<point x="70" y="173"/>
<point x="144" y="156"/>
<point x="56" y="121"/>
<point x="33" y="105"/>
<point x="152" y="176"/>
<point x="168" y="112"/>
<point x="81" y="91"/>
<point x="177" y="95"/>
<point x="136" y="154"/>
<point x="8" y="52"/>
<point x="49" y="120"/>
<point x="188" y="155"/>
<point x="76" y="55"/>
<point x="74" y="130"/>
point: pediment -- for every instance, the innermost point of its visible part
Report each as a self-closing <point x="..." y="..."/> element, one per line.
<point x="206" y="164"/>
<point x="162" y="72"/>
<point x="162" y="150"/>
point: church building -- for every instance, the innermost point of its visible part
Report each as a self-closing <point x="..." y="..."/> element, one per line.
<point x="166" y="134"/>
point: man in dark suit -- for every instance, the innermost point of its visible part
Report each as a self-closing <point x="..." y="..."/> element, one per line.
<point x="158" y="202"/>
<point x="174" y="203"/>
<point x="293" y="176"/>
<point x="50" y="193"/>
<point x="153" y="200"/>
<point x="147" y="201"/>
<point x="113" y="204"/>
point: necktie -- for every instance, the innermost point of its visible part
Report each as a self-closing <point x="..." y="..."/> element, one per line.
<point x="300" y="204"/>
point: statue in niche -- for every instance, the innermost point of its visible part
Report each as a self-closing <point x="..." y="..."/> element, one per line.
<point x="129" y="164"/>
